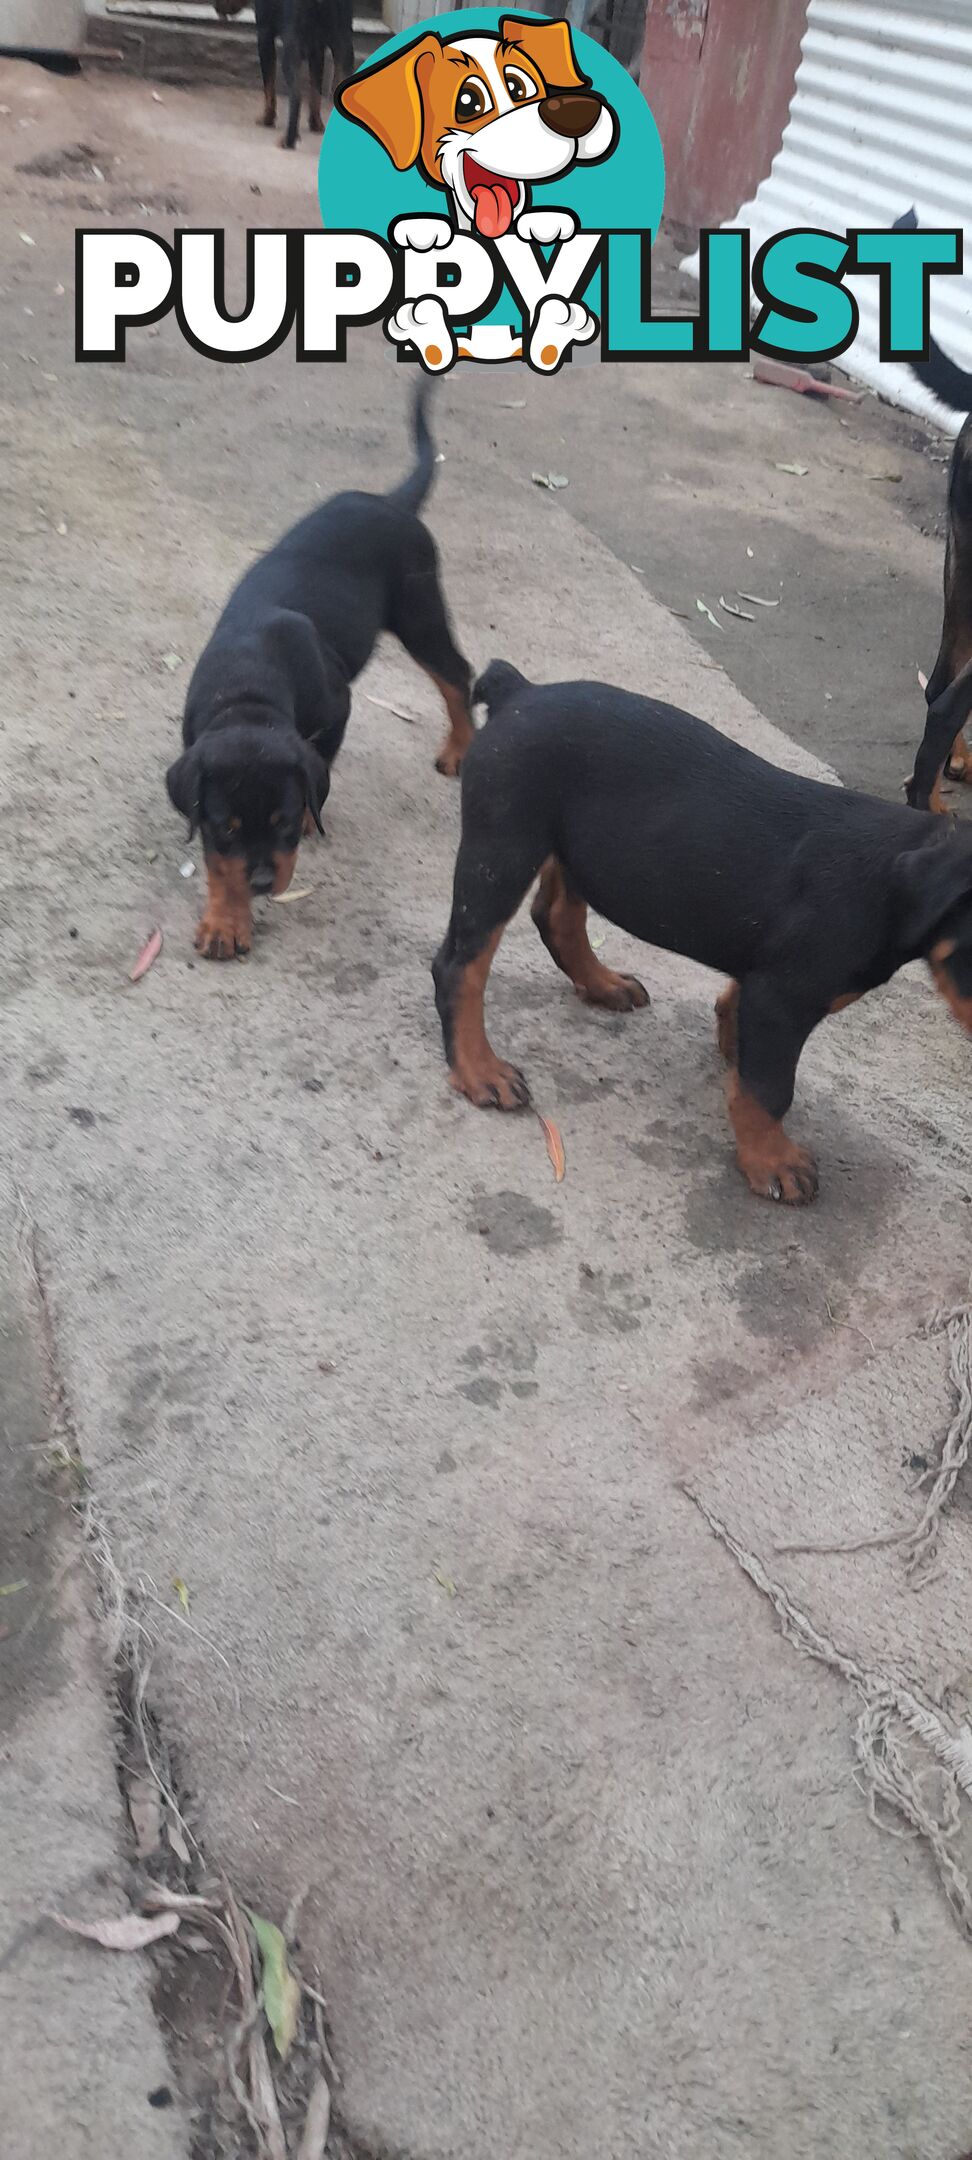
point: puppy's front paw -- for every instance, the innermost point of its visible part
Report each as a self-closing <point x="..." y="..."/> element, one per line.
<point x="546" y="226"/>
<point x="557" y="325"/>
<point x="222" y="937"/>
<point x="421" y="233"/>
<point x="425" y="324"/>
<point x="491" y="1084"/>
<point x="619" y="993"/>
<point x="790" y="1175"/>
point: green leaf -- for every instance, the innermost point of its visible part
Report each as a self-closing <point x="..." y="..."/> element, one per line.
<point x="279" y="1991"/>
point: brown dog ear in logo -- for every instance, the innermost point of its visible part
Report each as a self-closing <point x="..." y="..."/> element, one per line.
<point x="548" y="46"/>
<point x="387" y="99"/>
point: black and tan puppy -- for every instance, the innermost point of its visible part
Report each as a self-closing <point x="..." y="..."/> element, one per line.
<point x="269" y="700"/>
<point x="308" y="30"/>
<point x="805" y="895"/>
<point x="949" y="692"/>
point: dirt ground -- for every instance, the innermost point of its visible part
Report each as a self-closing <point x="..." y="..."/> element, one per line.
<point x="584" y="1859"/>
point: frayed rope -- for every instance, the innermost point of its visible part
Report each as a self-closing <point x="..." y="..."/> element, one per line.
<point x="919" y="1541"/>
<point x="887" y="1708"/>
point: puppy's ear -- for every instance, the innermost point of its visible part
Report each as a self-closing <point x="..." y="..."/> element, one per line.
<point x="387" y="99"/>
<point x="317" y="782"/>
<point x="548" y="45"/>
<point x="183" y="781"/>
<point x="930" y="882"/>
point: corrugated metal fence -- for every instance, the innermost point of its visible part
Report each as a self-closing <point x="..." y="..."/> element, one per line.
<point x="881" y="121"/>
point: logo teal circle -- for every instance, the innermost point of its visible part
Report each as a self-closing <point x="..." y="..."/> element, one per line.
<point x="359" y="189"/>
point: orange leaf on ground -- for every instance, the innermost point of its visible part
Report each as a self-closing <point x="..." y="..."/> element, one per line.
<point x="555" y="1146"/>
<point x="148" y="955"/>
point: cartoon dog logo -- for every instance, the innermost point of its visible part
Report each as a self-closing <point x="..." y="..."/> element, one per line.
<point x="485" y="118"/>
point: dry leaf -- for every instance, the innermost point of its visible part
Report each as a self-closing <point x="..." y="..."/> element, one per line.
<point x="177" y="1841"/>
<point x="279" y="1991"/>
<point x="549" y="479"/>
<point x="895" y="476"/>
<point x="145" y="1808"/>
<point x="61" y="528"/>
<point x="801" y="471"/>
<point x="445" y="1582"/>
<point x="317" y="2121"/>
<point x="743" y="613"/>
<point x="148" y="955"/>
<point x="749" y="553"/>
<point x="181" y="1592"/>
<point x="133" y="1931"/>
<point x="172" y="661"/>
<point x="707" y="612"/>
<point x="408" y="717"/>
<point x="555" y="1146"/>
<point x="187" y="868"/>
<point x="294" y="892"/>
<point x="922" y="679"/>
<point x="512" y="404"/>
<point x="10" y="1589"/>
<point x="28" y="242"/>
<point x="754" y="598"/>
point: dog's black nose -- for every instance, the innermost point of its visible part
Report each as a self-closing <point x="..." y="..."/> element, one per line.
<point x="570" y="112"/>
<point x="261" y="879"/>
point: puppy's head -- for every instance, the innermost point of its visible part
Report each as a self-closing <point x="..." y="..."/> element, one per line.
<point x="935" y="899"/>
<point x="483" y="116"/>
<point x="247" y="792"/>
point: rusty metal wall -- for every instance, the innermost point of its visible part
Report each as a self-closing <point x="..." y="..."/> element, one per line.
<point x="718" y="75"/>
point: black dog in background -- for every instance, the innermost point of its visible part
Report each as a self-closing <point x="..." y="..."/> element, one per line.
<point x="307" y="31"/>
<point x="949" y="692"/>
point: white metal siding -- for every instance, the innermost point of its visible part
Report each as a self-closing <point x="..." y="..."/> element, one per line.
<point x="881" y="121"/>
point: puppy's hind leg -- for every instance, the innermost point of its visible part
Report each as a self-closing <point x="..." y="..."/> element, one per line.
<point x="291" y="56"/>
<point x="771" y="1033"/>
<point x="561" y="918"/>
<point x="267" y="50"/>
<point x="420" y="620"/>
<point x="490" y="882"/>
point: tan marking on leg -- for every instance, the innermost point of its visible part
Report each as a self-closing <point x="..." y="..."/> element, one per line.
<point x="226" y="925"/>
<point x="561" y="920"/>
<point x="727" y="1007"/>
<point x="475" y="1069"/>
<point x="461" y="730"/>
<point x="772" y="1163"/>
<point x="958" y="764"/>
<point x="283" y="870"/>
<point x="938" y="960"/>
<point x="850" y="997"/>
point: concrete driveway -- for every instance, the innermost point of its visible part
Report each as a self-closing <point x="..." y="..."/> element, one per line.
<point x="588" y="1869"/>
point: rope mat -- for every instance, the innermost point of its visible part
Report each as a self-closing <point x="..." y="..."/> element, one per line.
<point x="841" y="1517"/>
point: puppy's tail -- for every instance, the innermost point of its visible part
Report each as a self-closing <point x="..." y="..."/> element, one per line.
<point x="938" y="373"/>
<point x="497" y="684"/>
<point x="413" y="491"/>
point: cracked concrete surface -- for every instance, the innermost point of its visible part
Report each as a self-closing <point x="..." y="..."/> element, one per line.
<point x="588" y="1867"/>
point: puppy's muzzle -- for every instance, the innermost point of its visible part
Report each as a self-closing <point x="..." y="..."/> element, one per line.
<point x="571" y="112"/>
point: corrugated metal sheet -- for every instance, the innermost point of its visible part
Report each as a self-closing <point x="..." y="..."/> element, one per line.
<point x="880" y="122"/>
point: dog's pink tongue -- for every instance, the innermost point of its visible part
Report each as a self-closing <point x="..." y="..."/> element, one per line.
<point x="494" y="211"/>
